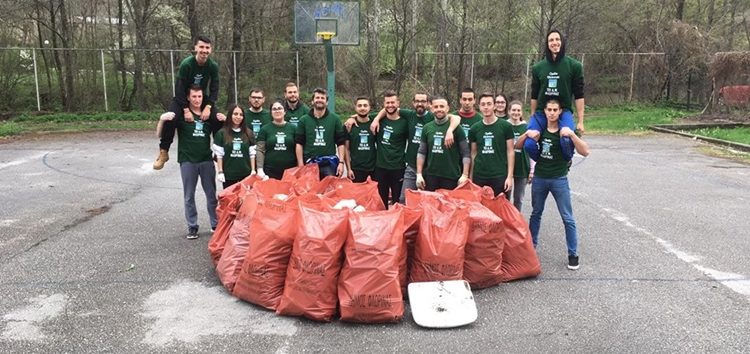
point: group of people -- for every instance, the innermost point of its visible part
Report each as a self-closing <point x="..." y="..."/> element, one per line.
<point x="417" y="148"/>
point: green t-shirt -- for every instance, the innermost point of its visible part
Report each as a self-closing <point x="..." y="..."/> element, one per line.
<point x="193" y="74"/>
<point x="521" y="167"/>
<point x="491" y="160"/>
<point x="362" y="147"/>
<point x="279" y="141"/>
<point x="391" y="140"/>
<point x="551" y="163"/>
<point x="193" y="141"/>
<point x="416" y="124"/>
<point x="556" y="81"/>
<point x="236" y="161"/>
<point x="293" y="116"/>
<point x="441" y="161"/>
<point x="319" y="134"/>
<point x="466" y="123"/>
<point x="256" y="120"/>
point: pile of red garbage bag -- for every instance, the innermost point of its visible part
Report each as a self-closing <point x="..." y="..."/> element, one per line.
<point x="321" y="249"/>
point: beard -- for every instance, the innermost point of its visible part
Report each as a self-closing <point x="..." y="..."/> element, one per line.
<point x="391" y="110"/>
<point x="320" y="105"/>
<point x="420" y="110"/>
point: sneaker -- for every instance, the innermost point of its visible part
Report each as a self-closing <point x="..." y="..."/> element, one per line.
<point x="161" y="159"/>
<point x="573" y="262"/>
<point x="213" y="229"/>
<point x="192" y="233"/>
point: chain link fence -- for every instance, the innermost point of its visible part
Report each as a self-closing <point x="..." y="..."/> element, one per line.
<point x="105" y="79"/>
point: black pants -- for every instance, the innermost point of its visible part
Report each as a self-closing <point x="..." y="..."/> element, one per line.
<point x="168" y="129"/>
<point x="497" y="185"/>
<point x="228" y="183"/>
<point x="361" y="175"/>
<point x="389" y="181"/>
<point x="272" y="172"/>
<point x="433" y="183"/>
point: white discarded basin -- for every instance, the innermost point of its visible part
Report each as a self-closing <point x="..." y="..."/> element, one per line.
<point x="442" y="304"/>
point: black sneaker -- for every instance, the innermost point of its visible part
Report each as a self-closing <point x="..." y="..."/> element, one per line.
<point x="192" y="233"/>
<point x="213" y="229"/>
<point x="573" y="262"/>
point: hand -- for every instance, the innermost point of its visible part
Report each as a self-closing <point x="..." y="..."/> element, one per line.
<point x="533" y="134"/>
<point x="531" y="177"/>
<point x="220" y="177"/>
<point x="253" y="173"/>
<point x="449" y="138"/>
<point x="340" y="171"/>
<point x="351" y="122"/>
<point x="420" y="181"/>
<point x="188" y="115"/>
<point x="206" y="113"/>
<point x="508" y="184"/>
<point x="375" y="126"/>
<point x="350" y="174"/>
<point x="167" y="116"/>
<point x="221" y="117"/>
<point x="262" y="174"/>
<point x="580" y="128"/>
<point x="462" y="179"/>
<point x="565" y="131"/>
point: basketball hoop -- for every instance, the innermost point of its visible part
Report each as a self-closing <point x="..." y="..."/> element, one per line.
<point x="326" y="35"/>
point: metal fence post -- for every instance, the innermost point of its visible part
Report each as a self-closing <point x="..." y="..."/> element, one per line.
<point x="297" y="60"/>
<point x="171" y="65"/>
<point x="234" y="64"/>
<point x="36" y="81"/>
<point x="526" y="82"/>
<point x="104" y="81"/>
<point x="471" y="77"/>
<point x="632" y="77"/>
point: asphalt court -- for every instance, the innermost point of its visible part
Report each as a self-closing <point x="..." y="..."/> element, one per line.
<point x="94" y="258"/>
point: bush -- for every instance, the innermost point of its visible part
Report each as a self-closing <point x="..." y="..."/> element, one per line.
<point x="10" y="128"/>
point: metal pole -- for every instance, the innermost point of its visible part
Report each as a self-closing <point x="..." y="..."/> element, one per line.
<point x="297" y="60"/>
<point x="104" y="82"/>
<point x="36" y="82"/>
<point x="471" y="77"/>
<point x="632" y="77"/>
<point x="526" y="84"/>
<point x="331" y="76"/>
<point x="234" y="59"/>
<point x="171" y="65"/>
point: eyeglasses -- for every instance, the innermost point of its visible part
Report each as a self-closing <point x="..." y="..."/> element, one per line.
<point x="277" y="108"/>
<point x="256" y="98"/>
<point x="500" y="102"/>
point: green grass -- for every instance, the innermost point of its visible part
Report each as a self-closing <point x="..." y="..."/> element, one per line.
<point x="738" y="135"/>
<point x="629" y="119"/>
<point x="10" y="128"/>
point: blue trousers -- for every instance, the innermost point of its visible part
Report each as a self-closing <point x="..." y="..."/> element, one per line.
<point x="538" y="122"/>
<point x="560" y="189"/>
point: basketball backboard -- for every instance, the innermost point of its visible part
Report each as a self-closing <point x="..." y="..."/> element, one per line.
<point x="339" y="17"/>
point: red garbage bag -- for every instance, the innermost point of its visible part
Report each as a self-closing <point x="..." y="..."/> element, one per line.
<point x="443" y="230"/>
<point x="369" y="290"/>
<point x="412" y="217"/>
<point x="230" y="200"/>
<point x="261" y="279"/>
<point x="365" y="193"/>
<point x="330" y="183"/>
<point x="304" y="179"/>
<point x="235" y="248"/>
<point x="311" y="283"/>
<point x="519" y="256"/>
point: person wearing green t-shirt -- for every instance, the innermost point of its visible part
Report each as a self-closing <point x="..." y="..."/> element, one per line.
<point x="492" y="155"/>
<point x="501" y="106"/>
<point x="256" y="116"/>
<point x="468" y="113"/>
<point x="522" y="169"/>
<point x="557" y="77"/>
<point x="391" y="141"/>
<point x="194" y="156"/>
<point x="320" y="137"/>
<point x="440" y="167"/>
<point x="234" y="147"/>
<point x="360" y="146"/>
<point x="551" y="176"/>
<point x="197" y="69"/>
<point x="275" y="147"/>
<point x="294" y="108"/>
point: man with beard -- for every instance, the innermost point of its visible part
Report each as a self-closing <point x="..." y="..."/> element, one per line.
<point x="558" y="77"/>
<point x="294" y="108"/>
<point x="468" y="113"/>
<point x="360" y="148"/>
<point x="319" y="136"/>
<point x="197" y="69"/>
<point x="391" y="142"/>
<point x="443" y="167"/>
<point x="255" y="116"/>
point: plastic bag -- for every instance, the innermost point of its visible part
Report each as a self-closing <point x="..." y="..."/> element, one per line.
<point x="303" y="179"/>
<point x="310" y="288"/>
<point x="369" y="289"/>
<point x="229" y="203"/>
<point x="365" y="194"/>
<point x="519" y="256"/>
<point x="443" y="231"/>
<point x="261" y="280"/>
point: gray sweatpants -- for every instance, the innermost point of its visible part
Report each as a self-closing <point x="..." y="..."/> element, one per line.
<point x="190" y="172"/>
<point x="410" y="182"/>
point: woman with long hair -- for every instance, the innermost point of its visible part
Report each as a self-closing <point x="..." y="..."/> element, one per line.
<point x="275" y="149"/>
<point x="522" y="172"/>
<point x="234" y="146"/>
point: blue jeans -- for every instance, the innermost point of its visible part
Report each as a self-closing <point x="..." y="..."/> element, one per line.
<point x="538" y="122"/>
<point x="560" y="189"/>
<point x="190" y="172"/>
<point x="410" y="182"/>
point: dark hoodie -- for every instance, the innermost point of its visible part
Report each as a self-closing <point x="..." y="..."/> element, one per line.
<point x="560" y="78"/>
